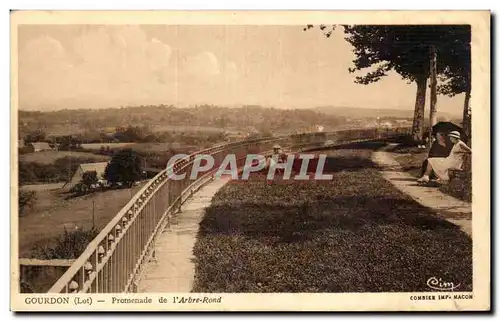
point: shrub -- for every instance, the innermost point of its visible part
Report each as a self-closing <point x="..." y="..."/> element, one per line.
<point x="460" y="185"/>
<point x="27" y="199"/>
<point x="80" y="189"/>
<point x="69" y="246"/>
<point x="35" y="172"/>
<point x="89" y="178"/>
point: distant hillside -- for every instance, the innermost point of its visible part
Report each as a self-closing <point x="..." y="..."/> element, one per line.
<point x="355" y="112"/>
<point x="202" y="118"/>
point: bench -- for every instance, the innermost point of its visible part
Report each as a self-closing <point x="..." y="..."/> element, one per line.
<point x="464" y="172"/>
<point x="460" y="183"/>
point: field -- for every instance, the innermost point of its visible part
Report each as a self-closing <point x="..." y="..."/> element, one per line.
<point x="355" y="233"/>
<point x="162" y="147"/>
<point x="139" y="147"/>
<point x="97" y="146"/>
<point x="53" y="213"/>
<point x="186" y="129"/>
<point x="64" y="129"/>
<point x="49" y="157"/>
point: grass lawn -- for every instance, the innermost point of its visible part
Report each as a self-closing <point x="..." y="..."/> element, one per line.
<point x="53" y="213"/>
<point x="355" y="233"/>
<point x="49" y="157"/>
<point x="410" y="158"/>
<point x="41" y="187"/>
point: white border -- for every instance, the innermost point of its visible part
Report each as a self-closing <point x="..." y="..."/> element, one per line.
<point x="190" y="4"/>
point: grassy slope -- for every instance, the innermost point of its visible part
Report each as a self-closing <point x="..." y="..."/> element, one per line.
<point x="53" y="213"/>
<point x="410" y="158"/>
<point x="356" y="233"/>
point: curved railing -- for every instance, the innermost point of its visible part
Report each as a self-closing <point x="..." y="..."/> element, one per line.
<point x="114" y="260"/>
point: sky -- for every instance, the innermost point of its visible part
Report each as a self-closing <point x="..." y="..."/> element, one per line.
<point x="103" y="66"/>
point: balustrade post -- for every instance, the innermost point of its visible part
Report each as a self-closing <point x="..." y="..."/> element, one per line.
<point x="109" y="273"/>
<point x="93" y="273"/>
<point x="178" y="190"/>
<point x="102" y="278"/>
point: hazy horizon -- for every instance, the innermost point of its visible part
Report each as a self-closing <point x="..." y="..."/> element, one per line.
<point x="320" y="109"/>
<point x="94" y="67"/>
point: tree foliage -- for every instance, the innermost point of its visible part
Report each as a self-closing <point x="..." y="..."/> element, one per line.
<point x="402" y="48"/>
<point x="132" y="134"/>
<point x="89" y="178"/>
<point x="405" y="49"/>
<point x="68" y="142"/>
<point x="70" y="245"/>
<point x="456" y="60"/>
<point x="38" y="135"/>
<point x="124" y="167"/>
<point x="456" y="76"/>
<point x="166" y="123"/>
<point x="27" y="199"/>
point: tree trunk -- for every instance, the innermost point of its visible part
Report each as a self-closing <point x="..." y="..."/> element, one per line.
<point x="433" y="109"/>
<point x="466" y="119"/>
<point x="418" y="116"/>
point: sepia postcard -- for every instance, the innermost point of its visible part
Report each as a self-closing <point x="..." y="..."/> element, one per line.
<point x="250" y="161"/>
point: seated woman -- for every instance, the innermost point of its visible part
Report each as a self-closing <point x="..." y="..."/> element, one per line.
<point x="441" y="165"/>
<point x="441" y="147"/>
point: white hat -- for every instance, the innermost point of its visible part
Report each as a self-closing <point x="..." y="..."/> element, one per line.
<point x="276" y="146"/>
<point x="455" y="134"/>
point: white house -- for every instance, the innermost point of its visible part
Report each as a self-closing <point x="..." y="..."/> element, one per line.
<point x="39" y="147"/>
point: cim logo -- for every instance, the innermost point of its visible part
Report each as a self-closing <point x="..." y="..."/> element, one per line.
<point x="439" y="284"/>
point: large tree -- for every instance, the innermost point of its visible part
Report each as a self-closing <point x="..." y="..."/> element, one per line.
<point x="124" y="167"/>
<point x="404" y="49"/>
